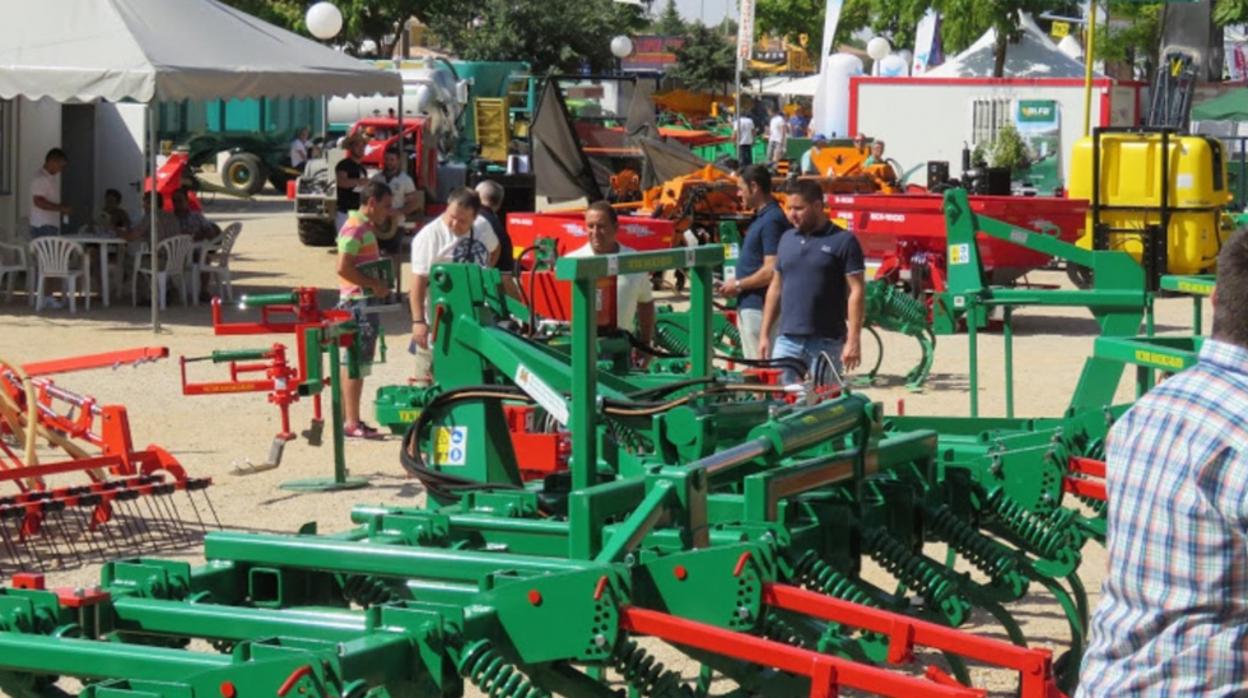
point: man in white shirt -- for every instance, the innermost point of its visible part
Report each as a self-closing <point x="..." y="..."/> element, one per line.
<point x="745" y="141"/>
<point x="45" y="191"/>
<point x="299" y="148"/>
<point x="458" y="236"/>
<point x="777" y="136"/>
<point x="406" y="202"/>
<point x="634" y="297"/>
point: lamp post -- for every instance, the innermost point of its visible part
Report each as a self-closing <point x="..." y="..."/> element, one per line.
<point x="324" y="21"/>
<point x="878" y="49"/>
<point x="621" y="48"/>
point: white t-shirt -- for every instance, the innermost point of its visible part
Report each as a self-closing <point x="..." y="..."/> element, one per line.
<point x="630" y="289"/>
<point x="400" y="186"/>
<point x="48" y="186"/>
<point x="435" y="243"/>
<point x="298" y="152"/>
<point x="776" y="129"/>
<point x="745" y="131"/>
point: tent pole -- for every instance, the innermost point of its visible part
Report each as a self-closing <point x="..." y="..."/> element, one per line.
<point x="155" y="212"/>
<point x="1089" y="58"/>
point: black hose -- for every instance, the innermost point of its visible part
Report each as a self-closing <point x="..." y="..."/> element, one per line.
<point x="438" y="483"/>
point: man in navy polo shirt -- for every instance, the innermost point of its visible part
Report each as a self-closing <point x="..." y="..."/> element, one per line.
<point x="757" y="258"/>
<point x="817" y="293"/>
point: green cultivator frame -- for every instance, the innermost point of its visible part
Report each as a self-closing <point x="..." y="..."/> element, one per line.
<point x="725" y="517"/>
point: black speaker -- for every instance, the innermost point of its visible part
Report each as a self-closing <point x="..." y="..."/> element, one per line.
<point x="997" y="181"/>
<point x="937" y="174"/>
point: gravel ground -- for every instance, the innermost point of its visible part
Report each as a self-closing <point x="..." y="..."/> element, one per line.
<point x="212" y="435"/>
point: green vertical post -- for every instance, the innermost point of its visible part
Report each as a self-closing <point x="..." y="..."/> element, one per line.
<point x="972" y="338"/>
<point x="1008" y="336"/>
<point x="1197" y="320"/>
<point x="1149" y="319"/>
<point x="335" y="411"/>
<point x="584" y="384"/>
<point x="700" y="320"/>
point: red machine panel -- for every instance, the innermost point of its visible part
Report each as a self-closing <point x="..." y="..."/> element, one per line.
<point x="568" y="229"/>
<point x="885" y="224"/>
<point x="553" y="298"/>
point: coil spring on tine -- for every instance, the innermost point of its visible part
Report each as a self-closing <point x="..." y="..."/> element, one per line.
<point x="985" y="554"/>
<point x="813" y="573"/>
<point x="778" y="629"/>
<point x="490" y="672"/>
<point x="912" y="570"/>
<point x="645" y="673"/>
<point x="902" y="306"/>
<point x="671" y="339"/>
<point x="1039" y="534"/>
<point x="366" y="591"/>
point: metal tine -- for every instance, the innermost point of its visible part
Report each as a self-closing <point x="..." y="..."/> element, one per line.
<point x="40" y="537"/>
<point x="166" y="500"/>
<point x="85" y="534"/>
<point x="141" y="535"/>
<point x="9" y="542"/>
<point x="55" y="511"/>
<point x="161" y="521"/>
<point x="101" y="527"/>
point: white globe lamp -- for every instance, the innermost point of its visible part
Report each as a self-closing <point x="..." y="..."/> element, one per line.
<point x="621" y="46"/>
<point x="878" y="48"/>
<point x="324" y="20"/>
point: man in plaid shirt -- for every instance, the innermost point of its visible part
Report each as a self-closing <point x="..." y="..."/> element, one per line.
<point x="1173" y="616"/>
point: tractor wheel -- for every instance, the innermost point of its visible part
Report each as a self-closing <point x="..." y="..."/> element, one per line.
<point x="314" y="233"/>
<point x="244" y="174"/>
<point x="1079" y="275"/>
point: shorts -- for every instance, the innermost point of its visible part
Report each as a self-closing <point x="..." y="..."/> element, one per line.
<point x="368" y="327"/>
<point x="809" y="349"/>
<point x="43" y="231"/>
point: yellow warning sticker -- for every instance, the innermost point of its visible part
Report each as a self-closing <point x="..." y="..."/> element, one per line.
<point x="450" y="446"/>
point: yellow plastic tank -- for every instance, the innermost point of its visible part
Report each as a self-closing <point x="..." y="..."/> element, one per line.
<point x="1130" y="178"/>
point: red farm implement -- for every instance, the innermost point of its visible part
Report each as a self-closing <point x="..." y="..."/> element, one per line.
<point x="78" y="487"/>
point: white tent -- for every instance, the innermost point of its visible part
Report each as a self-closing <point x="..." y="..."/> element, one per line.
<point x="154" y="50"/>
<point x="790" y="87"/>
<point x="1034" y="55"/>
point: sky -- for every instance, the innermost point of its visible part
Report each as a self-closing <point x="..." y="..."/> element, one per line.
<point x="711" y="12"/>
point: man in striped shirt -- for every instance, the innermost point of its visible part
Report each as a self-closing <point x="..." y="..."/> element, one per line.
<point x="1173" y="616"/>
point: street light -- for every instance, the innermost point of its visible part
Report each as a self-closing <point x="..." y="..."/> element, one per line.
<point x="621" y="47"/>
<point x="324" y="20"/>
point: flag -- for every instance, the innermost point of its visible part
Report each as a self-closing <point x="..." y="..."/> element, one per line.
<point x="927" y="43"/>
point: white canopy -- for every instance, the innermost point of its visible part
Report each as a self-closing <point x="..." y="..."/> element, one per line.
<point x="145" y="50"/>
<point x="790" y="87"/>
<point x="1034" y="55"/>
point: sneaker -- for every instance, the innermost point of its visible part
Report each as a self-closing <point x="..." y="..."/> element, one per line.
<point x="362" y="431"/>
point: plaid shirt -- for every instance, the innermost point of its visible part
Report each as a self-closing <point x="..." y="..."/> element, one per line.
<point x="1173" y="616"/>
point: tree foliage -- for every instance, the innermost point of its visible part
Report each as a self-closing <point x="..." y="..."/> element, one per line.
<point x="379" y="21"/>
<point x="549" y="34"/>
<point x="707" y="60"/>
<point x="669" y="22"/>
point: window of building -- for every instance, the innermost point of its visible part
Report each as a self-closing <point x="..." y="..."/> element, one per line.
<point x="987" y="118"/>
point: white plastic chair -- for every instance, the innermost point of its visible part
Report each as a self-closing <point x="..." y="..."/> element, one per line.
<point x="14" y="261"/>
<point x="215" y="261"/>
<point x="54" y="259"/>
<point x="172" y="261"/>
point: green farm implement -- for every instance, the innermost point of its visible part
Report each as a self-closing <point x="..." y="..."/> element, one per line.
<point x="577" y="503"/>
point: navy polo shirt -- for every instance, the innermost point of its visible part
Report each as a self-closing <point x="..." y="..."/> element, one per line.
<point x="762" y="239"/>
<point x="814" y="294"/>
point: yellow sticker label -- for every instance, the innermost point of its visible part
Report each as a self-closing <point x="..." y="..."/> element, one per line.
<point x="450" y="446"/>
<point x="959" y="254"/>
<point x="1197" y="287"/>
<point x="1144" y="356"/>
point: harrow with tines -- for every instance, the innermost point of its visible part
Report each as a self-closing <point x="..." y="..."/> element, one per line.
<point x="128" y="499"/>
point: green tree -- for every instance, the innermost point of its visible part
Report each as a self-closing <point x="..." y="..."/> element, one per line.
<point x="379" y="21"/>
<point x="669" y="23"/>
<point x="707" y="61"/>
<point x="548" y="34"/>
